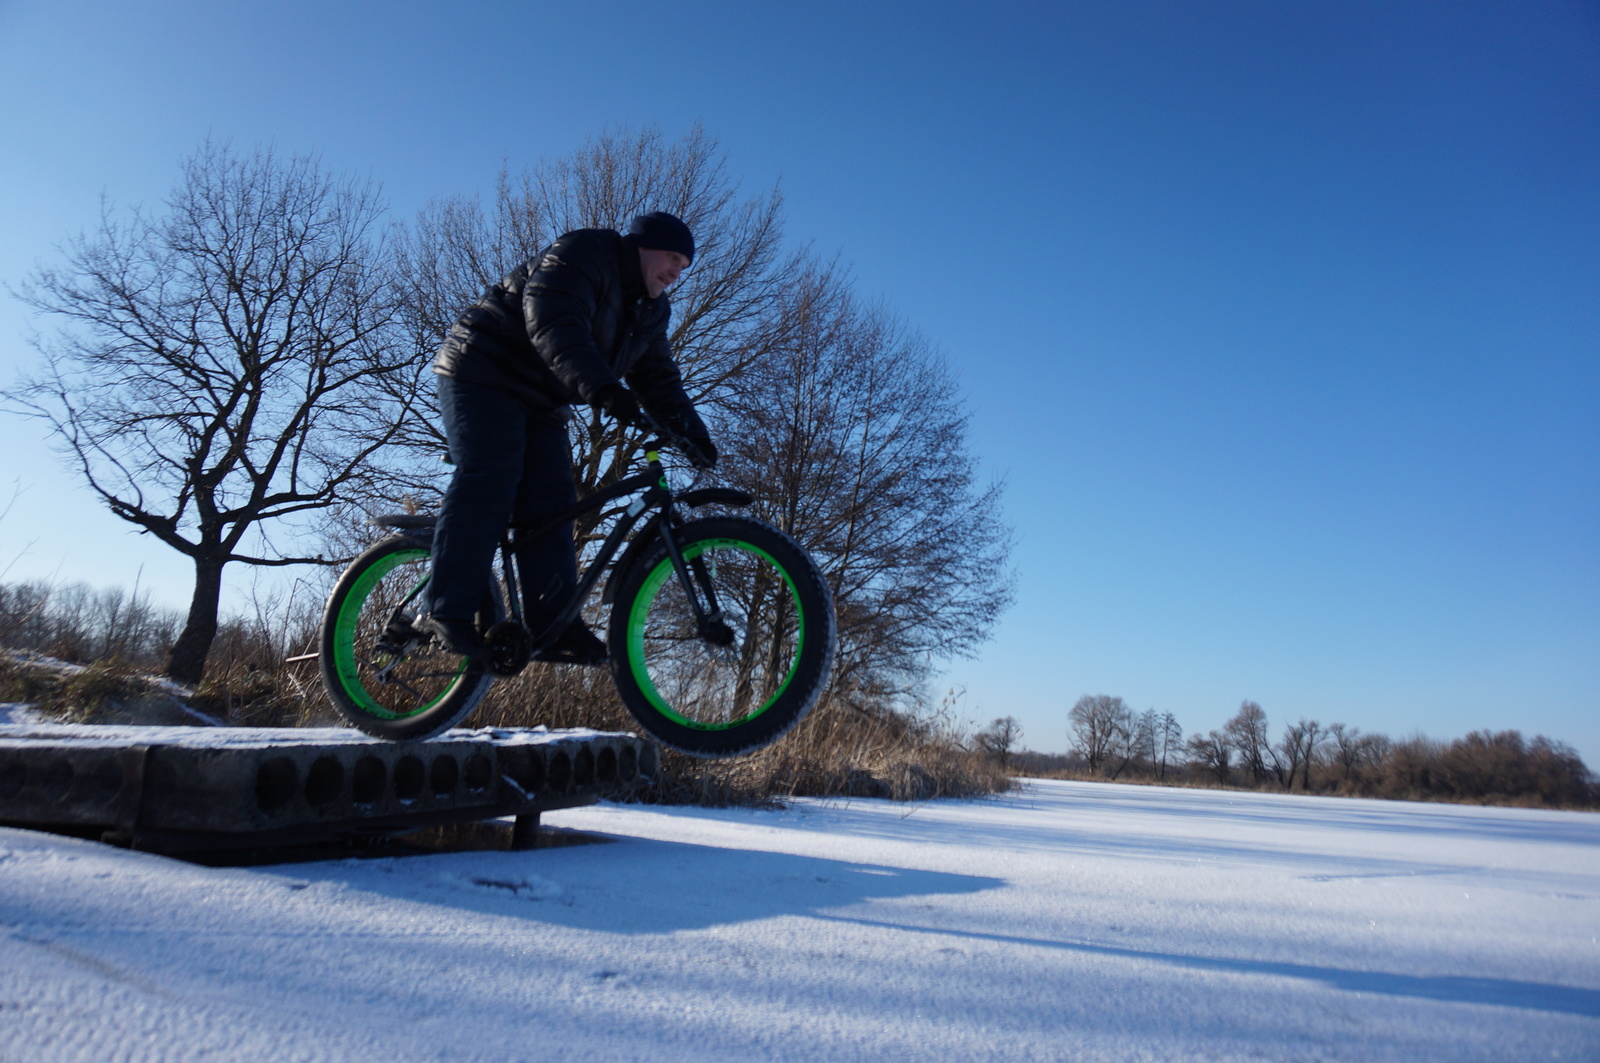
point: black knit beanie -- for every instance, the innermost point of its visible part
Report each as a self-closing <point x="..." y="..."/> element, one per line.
<point x="664" y="232"/>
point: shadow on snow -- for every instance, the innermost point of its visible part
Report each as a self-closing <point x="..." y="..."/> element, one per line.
<point x="1503" y="992"/>
<point x="642" y="887"/>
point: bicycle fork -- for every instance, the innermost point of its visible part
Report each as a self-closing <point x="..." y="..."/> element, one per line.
<point x="708" y="618"/>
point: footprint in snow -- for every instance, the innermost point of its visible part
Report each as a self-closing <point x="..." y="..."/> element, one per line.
<point x="527" y="887"/>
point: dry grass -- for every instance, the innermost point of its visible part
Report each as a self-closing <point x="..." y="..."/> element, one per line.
<point x="243" y="695"/>
<point x="105" y="692"/>
<point x="117" y="692"/>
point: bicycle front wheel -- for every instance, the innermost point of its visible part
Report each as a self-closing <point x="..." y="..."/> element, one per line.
<point x="751" y="667"/>
<point x="380" y="673"/>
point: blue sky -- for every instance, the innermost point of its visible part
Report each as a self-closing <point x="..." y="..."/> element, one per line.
<point x="1282" y="320"/>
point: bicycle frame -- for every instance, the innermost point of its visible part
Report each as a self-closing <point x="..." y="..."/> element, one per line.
<point x="654" y="493"/>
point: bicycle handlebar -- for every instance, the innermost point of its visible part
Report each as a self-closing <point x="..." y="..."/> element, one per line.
<point x="666" y="437"/>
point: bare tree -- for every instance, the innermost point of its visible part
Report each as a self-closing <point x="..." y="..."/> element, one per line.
<point x="76" y="623"/>
<point x="1247" y="733"/>
<point x="1351" y="749"/>
<point x="1300" y="744"/>
<point x="852" y="434"/>
<point x="1099" y="723"/>
<point x="1169" y="741"/>
<point x="1136" y="744"/>
<point x="1213" y="752"/>
<point x="1000" y="738"/>
<point x="1375" y="748"/>
<point x="843" y="422"/>
<point x="213" y="383"/>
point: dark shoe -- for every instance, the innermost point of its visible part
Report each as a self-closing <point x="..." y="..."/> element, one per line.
<point x="576" y="645"/>
<point x="399" y="636"/>
<point x="456" y="636"/>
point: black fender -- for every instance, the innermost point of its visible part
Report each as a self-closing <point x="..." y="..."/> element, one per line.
<point x="716" y="496"/>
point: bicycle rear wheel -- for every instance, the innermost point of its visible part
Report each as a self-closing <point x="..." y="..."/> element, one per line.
<point x="380" y="673"/>
<point x="756" y="669"/>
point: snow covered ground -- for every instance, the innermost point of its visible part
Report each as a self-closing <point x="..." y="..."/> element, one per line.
<point x="1069" y="921"/>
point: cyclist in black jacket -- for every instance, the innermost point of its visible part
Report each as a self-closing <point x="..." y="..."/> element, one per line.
<point x="585" y="320"/>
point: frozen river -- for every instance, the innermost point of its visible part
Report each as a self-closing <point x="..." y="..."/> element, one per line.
<point x="1066" y="921"/>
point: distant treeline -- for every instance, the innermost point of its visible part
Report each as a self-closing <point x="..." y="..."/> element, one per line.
<point x="1111" y="741"/>
<point x="76" y="622"/>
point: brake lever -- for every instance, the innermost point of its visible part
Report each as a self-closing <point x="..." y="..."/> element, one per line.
<point x="668" y="439"/>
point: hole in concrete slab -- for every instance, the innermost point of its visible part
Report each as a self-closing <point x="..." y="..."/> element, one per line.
<point x="605" y="765"/>
<point x="366" y="782"/>
<point x="13" y="776"/>
<point x="526" y="769"/>
<point x="560" y="774"/>
<point x="479" y="772"/>
<point x="628" y="764"/>
<point x="409" y="778"/>
<point x="583" y="767"/>
<point x="276" y="783"/>
<point x="324" y="782"/>
<point x="649" y="761"/>
<point x="445" y="775"/>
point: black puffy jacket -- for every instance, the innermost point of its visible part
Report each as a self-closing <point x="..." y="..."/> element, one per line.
<point x="568" y="322"/>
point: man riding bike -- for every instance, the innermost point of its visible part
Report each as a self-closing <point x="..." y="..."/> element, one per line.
<point x="585" y="320"/>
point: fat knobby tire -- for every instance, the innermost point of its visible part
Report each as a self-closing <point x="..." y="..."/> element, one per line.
<point x="430" y="691"/>
<point x="769" y="661"/>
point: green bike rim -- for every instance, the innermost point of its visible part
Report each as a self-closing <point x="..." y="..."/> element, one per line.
<point x="640" y="612"/>
<point x="344" y="639"/>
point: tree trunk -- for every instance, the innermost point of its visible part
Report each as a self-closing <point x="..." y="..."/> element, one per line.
<point x="187" y="664"/>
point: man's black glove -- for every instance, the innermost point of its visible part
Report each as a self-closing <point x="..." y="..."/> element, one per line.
<point x="620" y="403"/>
<point x="701" y="452"/>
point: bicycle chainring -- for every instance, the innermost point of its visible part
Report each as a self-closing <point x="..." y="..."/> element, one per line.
<point x="510" y="646"/>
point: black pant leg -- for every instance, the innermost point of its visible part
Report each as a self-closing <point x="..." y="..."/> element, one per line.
<point x="487" y="433"/>
<point x="547" y="566"/>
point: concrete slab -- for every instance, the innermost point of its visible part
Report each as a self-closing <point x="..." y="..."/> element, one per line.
<point x="171" y="788"/>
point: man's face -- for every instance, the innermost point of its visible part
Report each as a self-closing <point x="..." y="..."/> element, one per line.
<point x="661" y="269"/>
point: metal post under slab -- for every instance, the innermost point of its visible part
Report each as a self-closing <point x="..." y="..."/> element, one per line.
<point x="525" y="831"/>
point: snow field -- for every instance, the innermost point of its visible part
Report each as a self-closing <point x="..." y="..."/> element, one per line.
<point x="1068" y="921"/>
